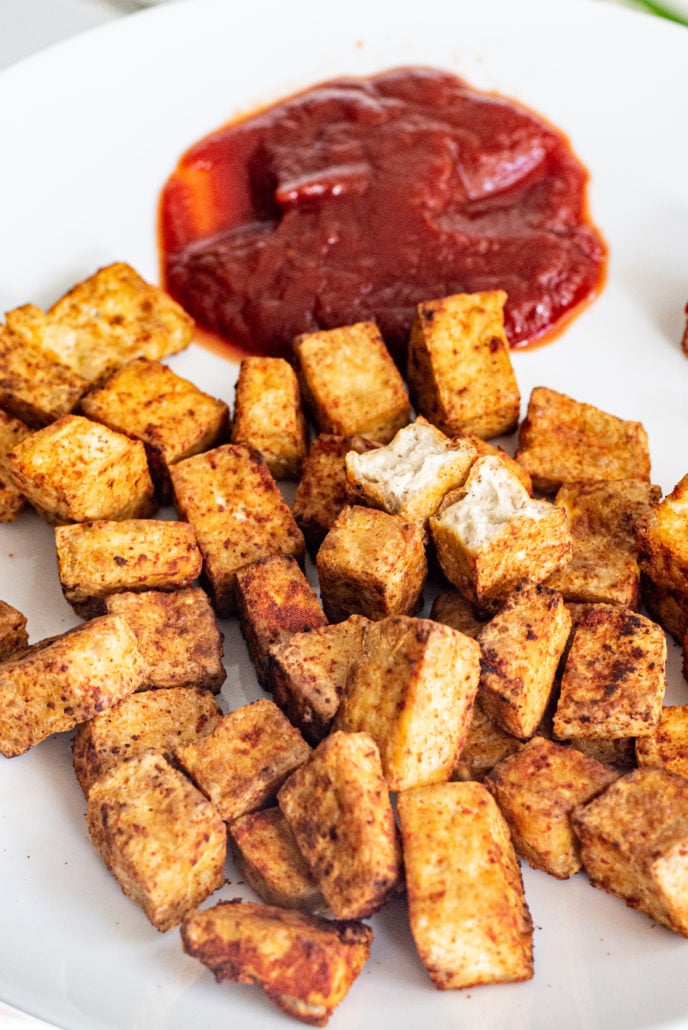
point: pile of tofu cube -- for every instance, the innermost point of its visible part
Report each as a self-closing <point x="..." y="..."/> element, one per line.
<point x="389" y="752"/>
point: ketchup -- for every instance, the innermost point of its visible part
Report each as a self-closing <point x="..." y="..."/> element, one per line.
<point x="360" y="198"/>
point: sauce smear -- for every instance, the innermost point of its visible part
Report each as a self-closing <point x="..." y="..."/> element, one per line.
<point x="360" y="198"/>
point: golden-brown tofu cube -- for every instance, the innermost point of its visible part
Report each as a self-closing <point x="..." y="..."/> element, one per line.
<point x="98" y="559"/>
<point x="242" y="764"/>
<point x="667" y="746"/>
<point x="268" y="414"/>
<point x="350" y="382"/>
<point x="634" y="839"/>
<point x="12" y="501"/>
<point x="412" y="689"/>
<point x="453" y="609"/>
<point x="274" y="601"/>
<point x="61" y="681"/>
<point x="267" y="857"/>
<point x="239" y="515"/>
<point x="494" y="534"/>
<point x="178" y="636"/>
<point x="338" y="807"/>
<point x="322" y="491"/>
<point x="459" y="367"/>
<point x="162" y="840"/>
<point x="371" y="563"/>
<point x="486" y="745"/>
<point x="150" y="720"/>
<point x="76" y="470"/>
<point x="663" y="537"/>
<point x="410" y="475"/>
<point x="615" y="752"/>
<point x="34" y="387"/>
<point x="467" y="908"/>
<point x="305" y="964"/>
<point x="614" y="678"/>
<point x="13" y="635"/>
<point x="562" y="440"/>
<point x="536" y="789"/>
<point x="170" y="415"/>
<point x="521" y="649"/>
<point x="602" y="518"/>
<point x="307" y="674"/>
<point x="666" y="606"/>
<point x="111" y="318"/>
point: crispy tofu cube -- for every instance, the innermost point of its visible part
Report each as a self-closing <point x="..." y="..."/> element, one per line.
<point x="493" y="535"/>
<point x="467" y="908"/>
<point x="162" y="840"/>
<point x="307" y="674"/>
<point x="453" y="609"/>
<point x="274" y="601"/>
<point x="34" y="388"/>
<point x="412" y="689"/>
<point x="267" y="857"/>
<point x="486" y="745"/>
<point x="521" y="649"/>
<point x="146" y="400"/>
<point x="459" y="367"/>
<point x="76" y="470"/>
<point x="667" y="746"/>
<point x="371" y="563"/>
<point x="305" y="964"/>
<point x="350" y="382"/>
<point x="13" y="635"/>
<point x="562" y="440"/>
<point x="666" y="606"/>
<point x="602" y="518"/>
<point x="177" y="634"/>
<point x="242" y="764"/>
<point x="239" y="515"/>
<point x="411" y="474"/>
<point x="322" y="491"/>
<point x="634" y="843"/>
<point x="663" y="538"/>
<point x="268" y="414"/>
<point x="615" y="752"/>
<point x="151" y="720"/>
<point x="61" y="681"/>
<point x="98" y="559"/>
<point x="614" y="679"/>
<point x="337" y="805"/>
<point x="111" y="318"/>
<point x="12" y="501"/>
<point x="536" y="789"/>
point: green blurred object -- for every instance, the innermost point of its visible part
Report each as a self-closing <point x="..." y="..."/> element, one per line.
<point x="681" y="17"/>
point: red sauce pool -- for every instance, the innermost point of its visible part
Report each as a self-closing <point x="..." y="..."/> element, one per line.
<point x="359" y="198"/>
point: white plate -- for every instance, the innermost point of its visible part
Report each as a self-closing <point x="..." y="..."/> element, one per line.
<point x="90" y="130"/>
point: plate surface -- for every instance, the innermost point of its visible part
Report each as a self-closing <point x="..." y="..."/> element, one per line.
<point x="90" y="131"/>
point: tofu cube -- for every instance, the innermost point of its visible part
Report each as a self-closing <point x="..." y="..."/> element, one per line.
<point x="663" y="538"/>
<point x="667" y="746"/>
<point x="486" y="745"/>
<point x="634" y="843"/>
<point x="520" y="652"/>
<point x="350" y="383"/>
<point x="64" y="680"/>
<point x="494" y="535"/>
<point x="307" y="674"/>
<point x="562" y="440"/>
<point x="76" y="470"/>
<point x="372" y="564"/>
<point x="666" y="606"/>
<point x="411" y="474"/>
<point x="162" y="840"/>
<point x="268" y="414"/>
<point x="323" y="489"/>
<point x="13" y="635"/>
<point x="536" y="789"/>
<point x="147" y="401"/>
<point x="12" y="501"/>
<point x="453" y="609"/>
<point x="150" y="720"/>
<point x="238" y="513"/>
<point x="338" y="807"/>
<point x="101" y="558"/>
<point x="614" y="679"/>
<point x="459" y="367"/>
<point x="305" y="964"/>
<point x="468" y="913"/>
<point x="177" y="634"/>
<point x="267" y="857"/>
<point x="412" y="689"/>
<point x="274" y="601"/>
<point x="242" y="764"/>
<point x="111" y="318"/>
<point x="615" y="752"/>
